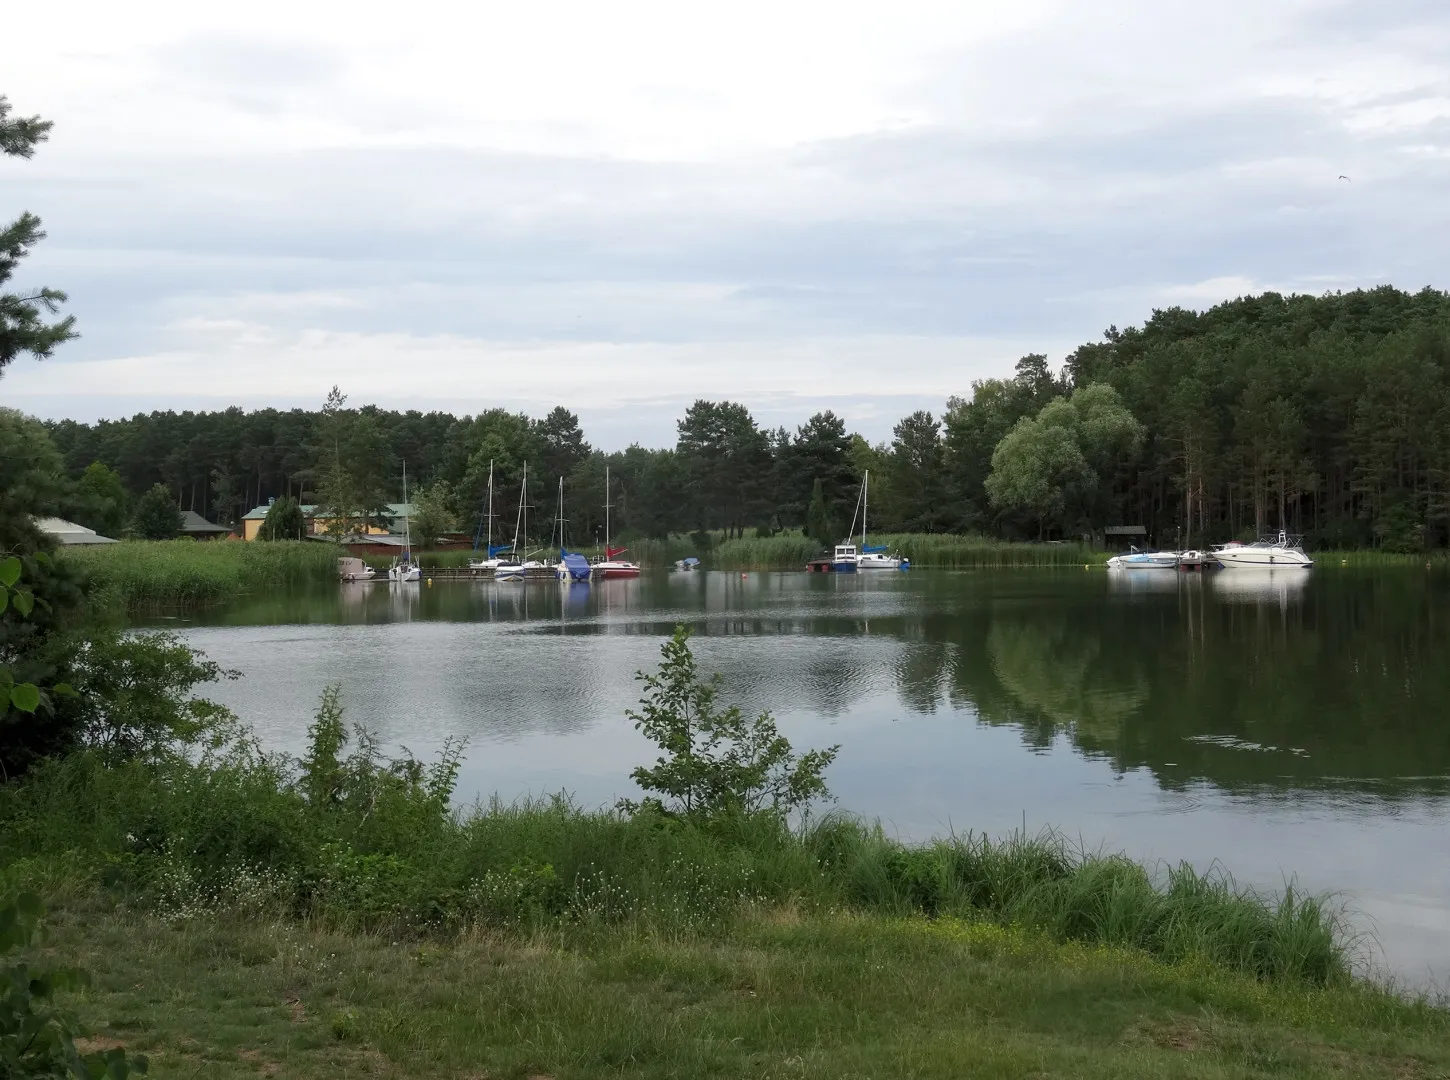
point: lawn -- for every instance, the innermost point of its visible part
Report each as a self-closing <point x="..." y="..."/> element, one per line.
<point x="777" y="995"/>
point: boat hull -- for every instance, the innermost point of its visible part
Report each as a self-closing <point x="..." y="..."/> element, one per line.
<point x="611" y="571"/>
<point x="1263" y="559"/>
<point x="1157" y="560"/>
<point x="881" y="562"/>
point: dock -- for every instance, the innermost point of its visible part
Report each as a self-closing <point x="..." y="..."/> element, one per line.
<point x="464" y="573"/>
<point x="820" y="566"/>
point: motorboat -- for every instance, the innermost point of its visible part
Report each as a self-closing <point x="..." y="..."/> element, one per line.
<point x="354" y="569"/>
<point x="1145" y="560"/>
<point x="845" y="559"/>
<point x="876" y="558"/>
<point x="690" y="563"/>
<point x="1281" y="552"/>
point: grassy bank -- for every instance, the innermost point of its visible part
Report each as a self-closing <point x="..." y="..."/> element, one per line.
<point x="174" y="573"/>
<point x="245" y="835"/>
<point x="246" y="912"/>
<point x="781" y="994"/>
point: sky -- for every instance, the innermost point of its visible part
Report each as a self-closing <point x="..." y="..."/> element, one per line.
<point x="623" y="207"/>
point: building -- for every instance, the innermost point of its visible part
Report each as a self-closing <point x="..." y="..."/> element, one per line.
<point x="317" y="526"/>
<point x="1118" y="537"/>
<point x="198" y="527"/>
<point x="69" y="534"/>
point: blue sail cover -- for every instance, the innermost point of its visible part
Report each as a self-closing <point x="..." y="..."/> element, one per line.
<point x="495" y="549"/>
<point x="577" y="567"/>
<point x="873" y="548"/>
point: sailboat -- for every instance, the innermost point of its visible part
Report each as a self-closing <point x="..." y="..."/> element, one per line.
<point x="611" y="566"/>
<point x="571" y="566"/>
<point x="405" y="569"/>
<point x="491" y="561"/>
<point x="847" y="559"/>
<point x="513" y="568"/>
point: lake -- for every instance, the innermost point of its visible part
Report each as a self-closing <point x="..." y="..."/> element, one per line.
<point x="1288" y="727"/>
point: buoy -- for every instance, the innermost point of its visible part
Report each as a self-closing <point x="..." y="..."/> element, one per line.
<point x="430" y="583"/>
<point x="744" y="576"/>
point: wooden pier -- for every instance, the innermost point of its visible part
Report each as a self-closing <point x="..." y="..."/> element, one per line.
<point x="465" y="573"/>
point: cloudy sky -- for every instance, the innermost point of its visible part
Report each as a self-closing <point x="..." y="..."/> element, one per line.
<point x="621" y="207"/>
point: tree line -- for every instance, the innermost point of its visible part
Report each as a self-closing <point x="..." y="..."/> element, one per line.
<point x="1328" y="416"/>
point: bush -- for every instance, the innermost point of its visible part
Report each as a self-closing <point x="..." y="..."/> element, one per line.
<point x="716" y="762"/>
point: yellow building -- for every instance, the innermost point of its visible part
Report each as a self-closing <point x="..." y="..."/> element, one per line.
<point x="318" y="526"/>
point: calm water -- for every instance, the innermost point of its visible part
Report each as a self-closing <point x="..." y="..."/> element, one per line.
<point x="1292" y="727"/>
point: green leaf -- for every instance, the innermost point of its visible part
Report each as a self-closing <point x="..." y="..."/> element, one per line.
<point x="24" y="602"/>
<point x="25" y="697"/>
<point x="42" y="558"/>
<point x="64" y="689"/>
<point x="9" y="570"/>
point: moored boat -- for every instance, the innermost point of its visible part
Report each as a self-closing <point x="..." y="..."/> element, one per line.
<point x="1145" y="560"/>
<point x="1280" y="552"/>
<point x="405" y="569"/>
<point x="611" y="566"/>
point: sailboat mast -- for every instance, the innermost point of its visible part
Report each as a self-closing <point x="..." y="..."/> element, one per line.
<point x="606" y="511"/>
<point x="407" y="518"/>
<point x="865" y="490"/>
<point x="489" y="553"/>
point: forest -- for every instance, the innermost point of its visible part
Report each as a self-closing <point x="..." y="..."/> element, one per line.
<point x="1327" y="416"/>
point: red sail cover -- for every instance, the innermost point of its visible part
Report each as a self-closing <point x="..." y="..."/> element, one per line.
<point x="614" y="552"/>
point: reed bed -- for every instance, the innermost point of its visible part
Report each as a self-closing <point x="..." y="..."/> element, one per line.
<point x="791" y="551"/>
<point x="146" y="574"/>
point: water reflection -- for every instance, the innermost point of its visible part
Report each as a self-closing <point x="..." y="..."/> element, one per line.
<point x="1250" y="681"/>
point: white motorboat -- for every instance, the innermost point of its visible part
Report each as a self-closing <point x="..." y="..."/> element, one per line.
<point x="1281" y="552"/>
<point x="1145" y="560"/>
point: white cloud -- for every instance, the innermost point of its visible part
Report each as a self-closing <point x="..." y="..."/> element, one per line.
<point x="310" y="194"/>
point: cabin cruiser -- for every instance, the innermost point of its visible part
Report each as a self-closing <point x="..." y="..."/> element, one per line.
<point x="876" y="558"/>
<point x="845" y="559"/>
<point x="405" y="569"/>
<point x="1283" y="552"/>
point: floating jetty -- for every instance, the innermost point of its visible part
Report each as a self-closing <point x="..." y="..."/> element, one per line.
<point x="467" y="573"/>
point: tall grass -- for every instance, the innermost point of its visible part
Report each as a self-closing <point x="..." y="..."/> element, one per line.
<point x="180" y="573"/>
<point x="369" y="844"/>
<point x="791" y="551"/>
<point x="1376" y="560"/>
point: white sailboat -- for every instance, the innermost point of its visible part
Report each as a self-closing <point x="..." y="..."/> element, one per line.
<point x="405" y="569"/>
<point x="512" y="568"/>
<point x="611" y="566"/>
<point x="491" y="559"/>
<point x="847" y="558"/>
